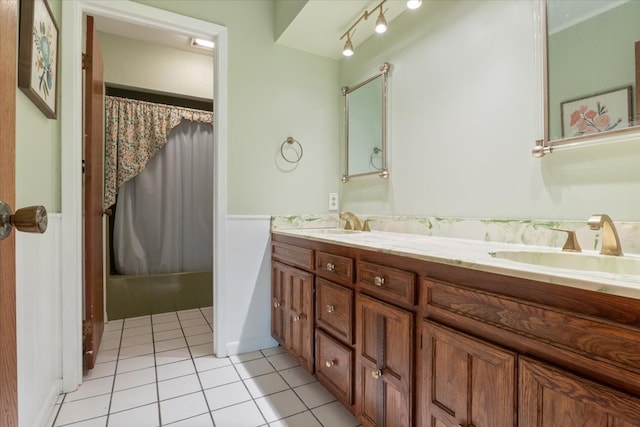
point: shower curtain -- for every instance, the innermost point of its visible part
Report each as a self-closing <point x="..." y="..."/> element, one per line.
<point x="164" y="215"/>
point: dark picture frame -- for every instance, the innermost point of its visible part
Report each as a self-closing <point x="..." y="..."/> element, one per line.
<point x="38" y="55"/>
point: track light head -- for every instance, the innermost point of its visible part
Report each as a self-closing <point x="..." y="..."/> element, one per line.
<point x="381" y="23"/>
<point x="348" y="47"/>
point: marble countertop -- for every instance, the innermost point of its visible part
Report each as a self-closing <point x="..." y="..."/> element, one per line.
<point x="476" y="255"/>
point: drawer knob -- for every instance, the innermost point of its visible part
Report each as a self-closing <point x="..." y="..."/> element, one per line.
<point x="300" y="316"/>
<point x="276" y="304"/>
<point x="330" y="309"/>
<point x="331" y="266"/>
<point x="377" y="373"/>
<point x="378" y="281"/>
<point x="329" y="363"/>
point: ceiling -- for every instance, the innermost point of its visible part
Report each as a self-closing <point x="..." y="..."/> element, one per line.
<point x="566" y="13"/>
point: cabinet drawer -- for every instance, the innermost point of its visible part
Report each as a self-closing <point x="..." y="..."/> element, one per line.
<point x="334" y="367"/>
<point x="334" y="309"/>
<point x="390" y="284"/>
<point x="334" y="266"/>
<point x="293" y="255"/>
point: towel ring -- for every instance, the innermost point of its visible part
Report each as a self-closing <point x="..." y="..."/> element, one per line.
<point x="291" y="140"/>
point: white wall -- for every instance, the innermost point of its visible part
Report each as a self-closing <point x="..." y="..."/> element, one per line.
<point x="39" y="333"/>
<point x="462" y="124"/>
<point x="144" y="65"/>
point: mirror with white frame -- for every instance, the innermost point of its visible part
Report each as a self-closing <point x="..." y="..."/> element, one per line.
<point x="365" y="107"/>
<point x="590" y="57"/>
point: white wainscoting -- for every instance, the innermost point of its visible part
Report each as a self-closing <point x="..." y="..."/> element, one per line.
<point x="247" y="325"/>
<point x="39" y="322"/>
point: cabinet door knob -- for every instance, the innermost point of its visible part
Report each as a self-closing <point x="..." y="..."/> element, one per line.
<point x="331" y="266"/>
<point x="300" y="316"/>
<point x="378" y="281"/>
<point x="377" y="373"/>
<point x="329" y="363"/>
<point x="330" y="309"/>
<point x="276" y="303"/>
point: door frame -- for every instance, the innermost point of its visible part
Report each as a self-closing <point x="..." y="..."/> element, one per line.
<point x="71" y="160"/>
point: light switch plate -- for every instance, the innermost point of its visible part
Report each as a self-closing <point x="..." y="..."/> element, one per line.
<point x="333" y="202"/>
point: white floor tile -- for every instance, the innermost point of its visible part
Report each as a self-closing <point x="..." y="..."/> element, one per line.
<point x="193" y="340"/>
<point x="265" y="385"/>
<point x="136" y="350"/>
<point x="254" y="368"/>
<point x="297" y="376"/>
<point x="112" y="335"/>
<point x="167" y="335"/>
<point x="282" y="361"/>
<point x="93" y="422"/>
<point x="170" y="325"/>
<point x="272" y="351"/>
<point x="178" y="386"/>
<point x="183" y="407"/>
<point x="101" y="370"/>
<point x="196" y="330"/>
<point x="280" y="405"/>
<point x="135" y="363"/>
<point x="107" y="356"/>
<point x="135" y="322"/>
<point x="314" y="395"/>
<point x="242" y="415"/>
<point x="210" y="362"/>
<point x="110" y="344"/>
<point x="335" y="415"/>
<point x="91" y="388"/>
<point x="80" y="410"/>
<point x="245" y="357"/>
<point x="157" y="319"/>
<point x="226" y="395"/>
<point x="218" y="377"/>
<point x="172" y="356"/>
<point x="199" y="421"/>
<point x="171" y="344"/>
<point x="140" y="330"/>
<point x="133" y="397"/>
<point x="136" y="340"/>
<point x="189" y="314"/>
<point x="193" y="322"/>
<point x="174" y="370"/>
<point x="113" y="325"/>
<point x="135" y="379"/>
<point x="143" y="416"/>
<point x="201" y="350"/>
<point x="305" y="419"/>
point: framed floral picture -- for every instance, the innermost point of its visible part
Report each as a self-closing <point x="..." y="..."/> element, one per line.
<point x="596" y="113"/>
<point x="38" y="55"/>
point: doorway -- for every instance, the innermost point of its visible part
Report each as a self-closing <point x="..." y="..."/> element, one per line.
<point x="71" y="155"/>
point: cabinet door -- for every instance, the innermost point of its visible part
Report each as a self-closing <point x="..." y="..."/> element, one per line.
<point x="552" y="397"/>
<point x="278" y="283"/>
<point x="465" y="381"/>
<point x="384" y="365"/>
<point x="299" y="316"/>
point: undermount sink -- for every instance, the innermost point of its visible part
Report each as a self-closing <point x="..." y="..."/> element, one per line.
<point x="575" y="261"/>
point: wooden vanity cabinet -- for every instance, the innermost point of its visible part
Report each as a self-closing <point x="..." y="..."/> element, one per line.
<point x="465" y="381"/>
<point x="458" y="348"/>
<point x="384" y="363"/>
<point x="292" y="311"/>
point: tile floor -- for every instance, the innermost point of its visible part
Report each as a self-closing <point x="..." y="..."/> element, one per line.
<point x="160" y="371"/>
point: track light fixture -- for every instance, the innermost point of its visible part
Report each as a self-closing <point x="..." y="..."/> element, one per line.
<point x="381" y="23"/>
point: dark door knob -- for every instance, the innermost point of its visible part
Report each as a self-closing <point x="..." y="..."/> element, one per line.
<point x="32" y="219"/>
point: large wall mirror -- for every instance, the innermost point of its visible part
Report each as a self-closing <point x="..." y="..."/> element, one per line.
<point x="365" y="112"/>
<point x="591" y="56"/>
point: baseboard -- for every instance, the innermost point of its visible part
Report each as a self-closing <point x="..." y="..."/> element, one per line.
<point x="248" y="346"/>
<point x="44" y="416"/>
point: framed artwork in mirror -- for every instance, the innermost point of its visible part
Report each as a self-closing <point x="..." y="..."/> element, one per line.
<point x="600" y="112"/>
<point x="38" y="55"/>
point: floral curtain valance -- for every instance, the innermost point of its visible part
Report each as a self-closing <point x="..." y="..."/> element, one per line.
<point x="135" y="132"/>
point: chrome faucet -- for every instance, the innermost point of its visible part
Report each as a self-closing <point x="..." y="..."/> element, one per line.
<point x="610" y="240"/>
<point x="351" y="217"/>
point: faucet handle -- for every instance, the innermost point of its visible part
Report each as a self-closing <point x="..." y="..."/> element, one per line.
<point x="366" y="227"/>
<point x="347" y="224"/>
<point x="571" y="245"/>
